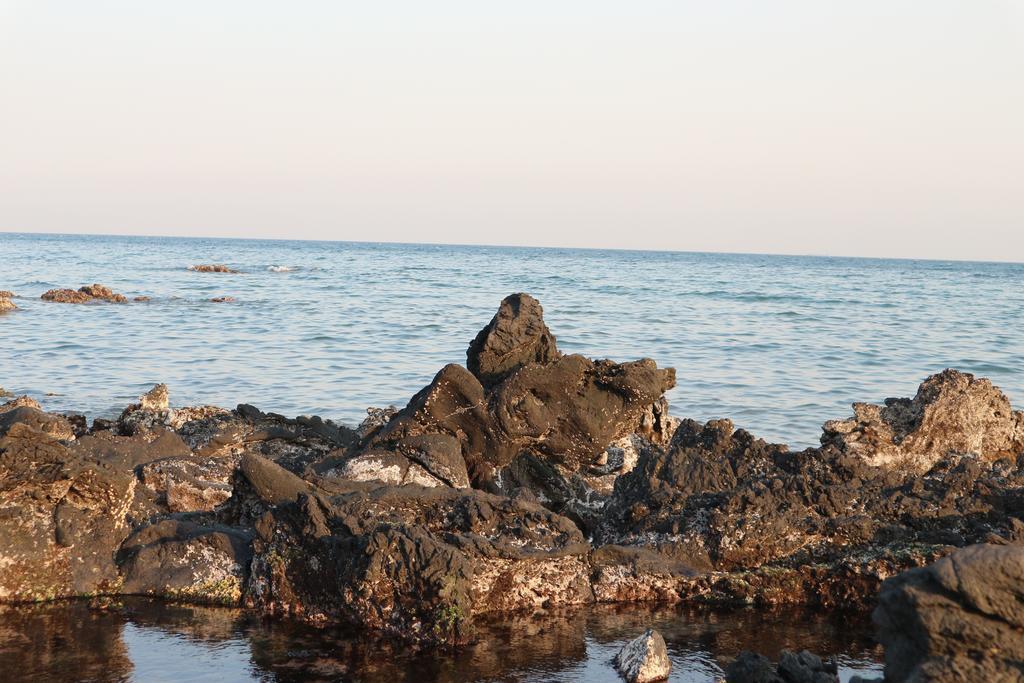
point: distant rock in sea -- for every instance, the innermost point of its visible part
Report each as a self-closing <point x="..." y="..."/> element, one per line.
<point x="212" y="268"/>
<point x="222" y="299"/>
<point x="83" y="295"/>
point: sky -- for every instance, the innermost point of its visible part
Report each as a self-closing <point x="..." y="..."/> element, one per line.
<point x="861" y="128"/>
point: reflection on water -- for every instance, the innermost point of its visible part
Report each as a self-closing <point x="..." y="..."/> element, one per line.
<point x="142" y="640"/>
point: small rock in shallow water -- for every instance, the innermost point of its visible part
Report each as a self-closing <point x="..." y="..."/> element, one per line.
<point x="141" y="299"/>
<point x="222" y="299"/>
<point x="644" y="659"/>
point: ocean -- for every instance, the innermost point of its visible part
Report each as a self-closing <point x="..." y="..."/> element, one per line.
<point x="778" y="344"/>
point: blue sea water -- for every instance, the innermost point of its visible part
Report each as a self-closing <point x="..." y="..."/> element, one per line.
<point x="779" y="344"/>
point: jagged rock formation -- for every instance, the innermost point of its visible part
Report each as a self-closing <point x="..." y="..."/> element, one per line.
<point x="516" y="336"/>
<point x="757" y="522"/>
<point x="952" y="413"/>
<point x="84" y="295"/>
<point x="522" y="398"/>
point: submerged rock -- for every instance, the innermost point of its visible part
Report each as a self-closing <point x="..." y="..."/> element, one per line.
<point x="644" y="659"/>
<point x="959" y="619"/>
<point x="805" y="667"/>
<point x="952" y="413"/>
<point x="212" y="268"/>
<point x="83" y="295"/>
<point x="222" y="299"/>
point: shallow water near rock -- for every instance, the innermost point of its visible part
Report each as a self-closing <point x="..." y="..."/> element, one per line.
<point x="778" y="344"/>
<point x="135" y="639"/>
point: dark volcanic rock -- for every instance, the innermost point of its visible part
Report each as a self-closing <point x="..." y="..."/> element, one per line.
<point x="414" y="561"/>
<point x="959" y="619"/>
<point x="562" y="409"/>
<point x="515" y="337"/>
<point x="952" y="413"/>
<point x="772" y="526"/>
<point x="805" y="667"/>
<point x="182" y="560"/>
<point x="570" y="410"/>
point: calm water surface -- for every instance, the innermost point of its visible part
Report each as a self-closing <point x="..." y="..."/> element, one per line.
<point x="142" y="640"/>
<point x="779" y="344"/>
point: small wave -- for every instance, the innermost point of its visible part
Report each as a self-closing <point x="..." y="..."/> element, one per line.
<point x="281" y="269"/>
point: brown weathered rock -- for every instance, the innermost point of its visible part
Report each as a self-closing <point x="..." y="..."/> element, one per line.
<point x="62" y="518"/>
<point x="25" y="410"/>
<point x="182" y="560"/>
<point x="97" y="291"/>
<point x="212" y="268"/>
<point x="222" y="299"/>
<point x="959" y="619"/>
<point x="86" y="294"/>
<point x="6" y="305"/>
<point x="515" y="337"/>
<point x="66" y="296"/>
<point x="19" y="402"/>
<point x="190" y="483"/>
<point x="952" y="413"/>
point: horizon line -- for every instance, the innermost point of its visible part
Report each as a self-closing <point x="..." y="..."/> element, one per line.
<point x="515" y="246"/>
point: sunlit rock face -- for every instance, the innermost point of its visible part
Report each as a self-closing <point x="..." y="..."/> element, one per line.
<point x="953" y="413"/>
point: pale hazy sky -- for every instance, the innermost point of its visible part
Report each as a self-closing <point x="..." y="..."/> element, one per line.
<point x="886" y="128"/>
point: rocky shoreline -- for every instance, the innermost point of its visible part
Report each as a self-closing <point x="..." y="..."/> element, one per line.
<point x="525" y="480"/>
